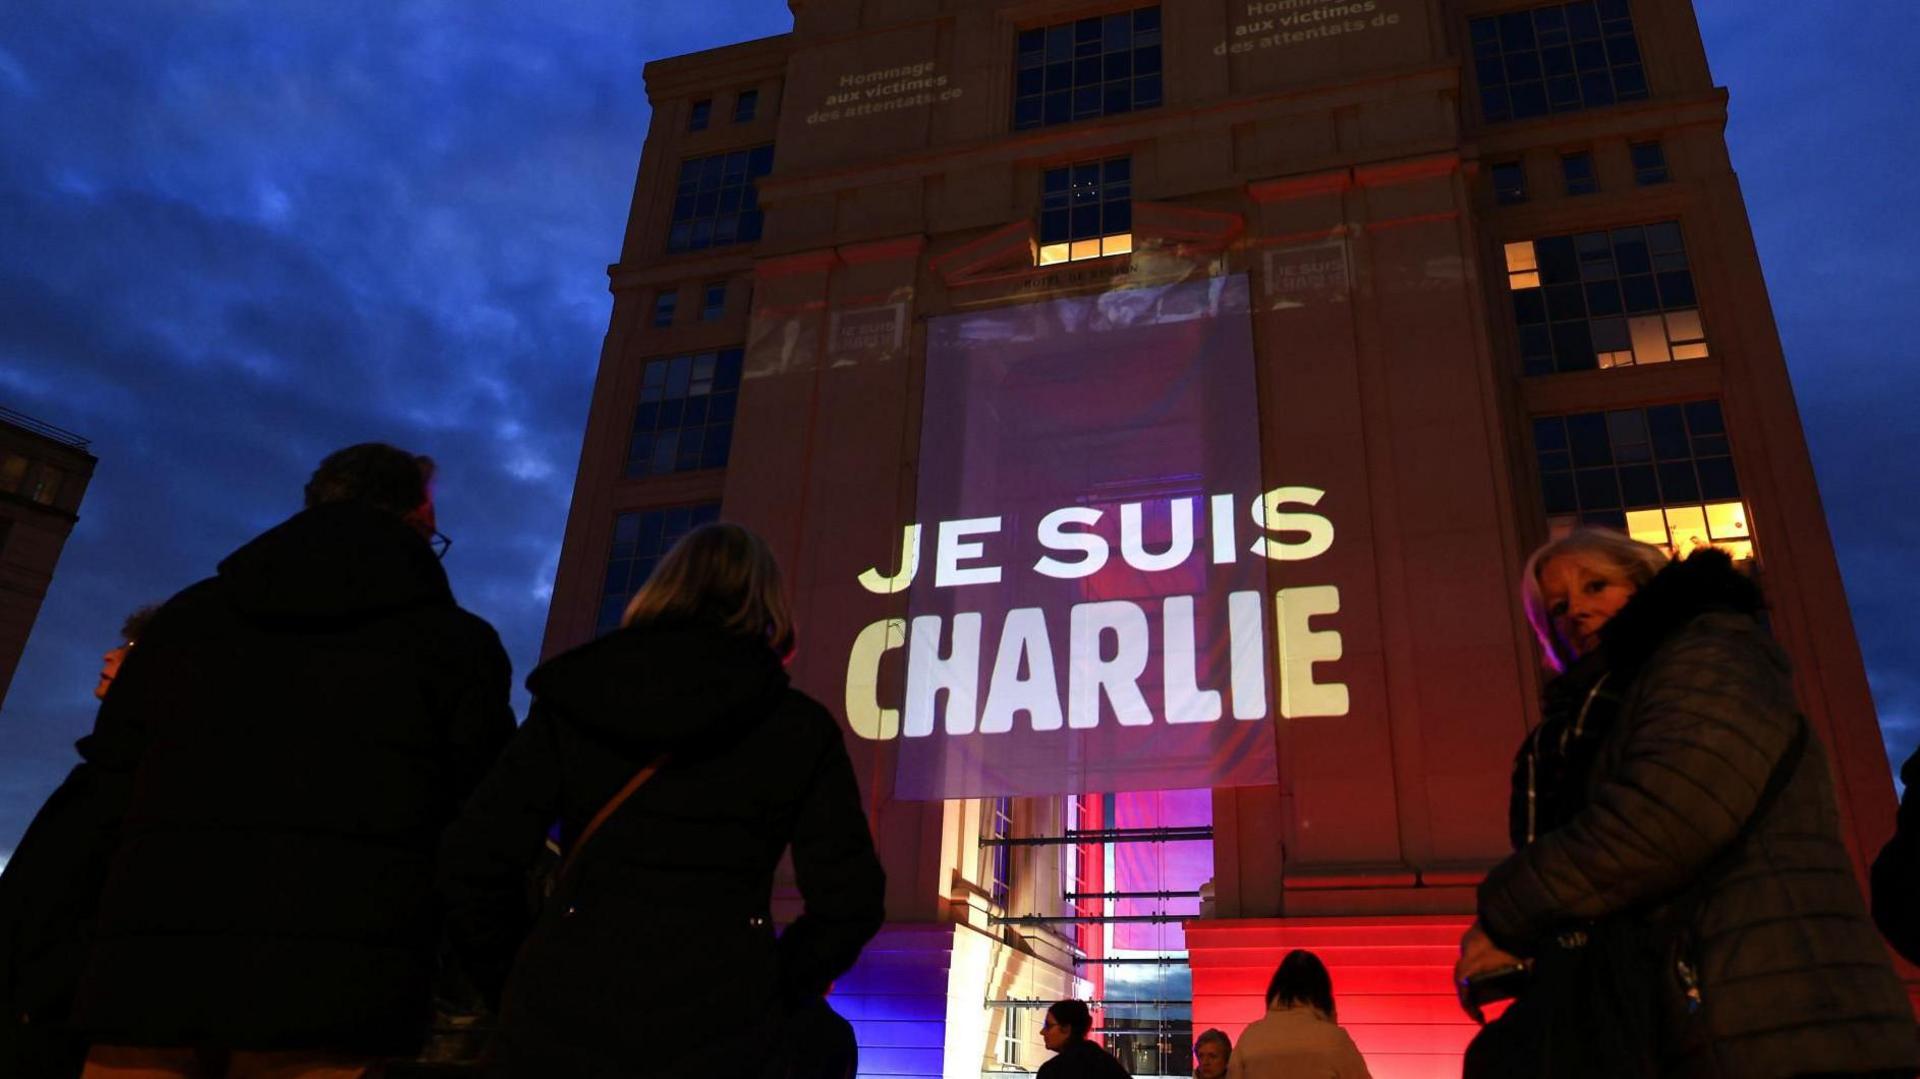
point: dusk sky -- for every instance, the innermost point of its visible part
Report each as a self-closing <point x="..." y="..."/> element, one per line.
<point x="237" y="235"/>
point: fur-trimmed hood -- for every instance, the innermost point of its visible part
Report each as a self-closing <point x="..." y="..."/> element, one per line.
<point x="1703" y="583"/>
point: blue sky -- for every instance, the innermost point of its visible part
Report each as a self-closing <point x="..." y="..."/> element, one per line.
<point x="236" y="235"/>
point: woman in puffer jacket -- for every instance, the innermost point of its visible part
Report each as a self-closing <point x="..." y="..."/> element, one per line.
<point x="1679" y="885"/>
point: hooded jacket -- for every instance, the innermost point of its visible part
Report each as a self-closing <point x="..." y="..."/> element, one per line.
<point x="656" y="954"/>
<point x="1763" y="910"/>
<point x="261" y="797"/>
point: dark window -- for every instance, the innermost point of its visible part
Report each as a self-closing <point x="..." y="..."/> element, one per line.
<point x="685" y="418"/>
<point x="1577" y="170"/>
<point x="715" y="203"/>
<point x="697" y="118"/>
<point x="13" y="471"/>
<point x="745" y="105"/>
<point x="639" y="539"/>
<point x="1557" y="58"/>
<point x="1086" y="210"/>
<point x="1090" y="67"/>
<point x="1614" y="298"/>
<point x="715" y="306"/>
<point x="996" y="862"/>
<point x="1509" y="183"/>
<point x="664" y="302"/>
<point x="1649" y="163"/>
<point x="1663" y="475"/>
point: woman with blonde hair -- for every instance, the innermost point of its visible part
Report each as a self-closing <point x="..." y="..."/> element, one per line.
<point x="1679" y="901"/>
<point x="679" y="765"/>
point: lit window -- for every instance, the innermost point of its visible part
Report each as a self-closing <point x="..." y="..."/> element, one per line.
<point x="685" y="417"/>
<point x="1010" y="1037"/>
<point x="1509" y="183"/>
<point x="1649" y="163"/>
<point x="664" y="303"/>
<point x="44" y="487"/>
<point x="1091" y="67"/>
<point x="715" y="202"/>
<point x="1664" y="475"/>
<point x="697" y="117"/>
<point x="1557" y="58"/>
<point x="996" y="860"/>
<point x="745" y="105"/>
<point x="1086" y="211"/>
<point x="1577" y="170"/>
<point x="1617" y="298"/>
<point x="715" y="306"/>
<point x="639" y="539"/>
<point x="13" y="471"/>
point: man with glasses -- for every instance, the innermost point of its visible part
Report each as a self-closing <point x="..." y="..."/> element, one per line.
<point x="266" y="786"/>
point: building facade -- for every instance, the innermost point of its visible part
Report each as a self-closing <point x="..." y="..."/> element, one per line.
<point x="1450" y="276"/>
<point x="43" y="476"/>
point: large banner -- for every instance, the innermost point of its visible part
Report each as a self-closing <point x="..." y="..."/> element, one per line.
<point x="1086" y="576"/>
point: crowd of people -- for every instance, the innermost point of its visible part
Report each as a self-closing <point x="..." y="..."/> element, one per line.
<point x="305" y="821"/>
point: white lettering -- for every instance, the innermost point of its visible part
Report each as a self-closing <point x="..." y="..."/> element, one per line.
<point x="950" y="550"/>
<point x="1090" y="672"/>
<point x="1186" y="701"/>
<point x="1266" y="514"/>
<point x="1222" y="529"/>
<point x="958" y="674"/>
<point x="1301" y="646"/>
<point x="1053" y="537"/>
<point x="1247" y="645"/>
<point x="1133" y="541"/>
<point x="1023" y="639"/>
<point x="864" y="713"/>
<point x="874" y="581"/>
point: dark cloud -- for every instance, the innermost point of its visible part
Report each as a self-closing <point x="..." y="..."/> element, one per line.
<point x="239" y="235"/>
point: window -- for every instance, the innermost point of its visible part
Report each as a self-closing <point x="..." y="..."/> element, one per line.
<point x="1557" y="58"/>
<point x="745" y="105"/>
<point x="685" y="418"/>
<point x="1649" y="163"/>
<point x="698" y="116"/>
<point x="1604" y="299"/>
<point x="715" y="306"/>
<point x="13" y="471"/>
<point x="1090" y="67"/>
<point x="715" y="202"/>
<point x="996" y="861"/>
<point x="1509" y="183"/>
<point x="639" y="539"/>
<point x="1086" y="211"/>
<point x="1577" y="170"/>
<point x="1663" y="475"/>
<point x="44" y="486"/>
<point x="664" y="302"/>
<point x="1010" y="1037"/>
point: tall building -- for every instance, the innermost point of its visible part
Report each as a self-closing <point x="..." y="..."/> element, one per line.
<point x="1152" y="406"/>
<point x="43" y="476"/>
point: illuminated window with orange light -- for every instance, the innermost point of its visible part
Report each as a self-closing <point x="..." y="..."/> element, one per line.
<point x="1621" y="297"/>
<point x="1663" y="475"/>
<point x="1086" y="211"/>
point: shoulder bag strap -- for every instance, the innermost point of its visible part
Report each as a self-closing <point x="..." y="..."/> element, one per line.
<point x="619" y="799"/>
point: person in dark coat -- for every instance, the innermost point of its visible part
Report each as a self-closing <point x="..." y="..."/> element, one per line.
<point x="1685" y="802"/>
<point x="43" y="931"/>
<point x="1896" y="871"/>
<point x="267" y="782"/>
<point x="657" y="945"/>
<point x="1076" y="1056"/>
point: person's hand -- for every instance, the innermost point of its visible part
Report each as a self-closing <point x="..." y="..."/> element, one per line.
<point x="1477" y="953"/>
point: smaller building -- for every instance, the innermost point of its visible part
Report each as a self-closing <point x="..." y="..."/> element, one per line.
<point x="43" y="476"/>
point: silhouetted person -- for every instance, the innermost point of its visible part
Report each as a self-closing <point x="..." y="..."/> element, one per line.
<point x="656" y="954"/>
<point x="271" y="773"/>
<point x="1896" y="871"/>
<point x="1212" y="1052"/>
<point x="1075" y="1055"/>
<point x="1300" y="1034"/>
<point x="44" y="930"/>
<point x="1678" y="878"/>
